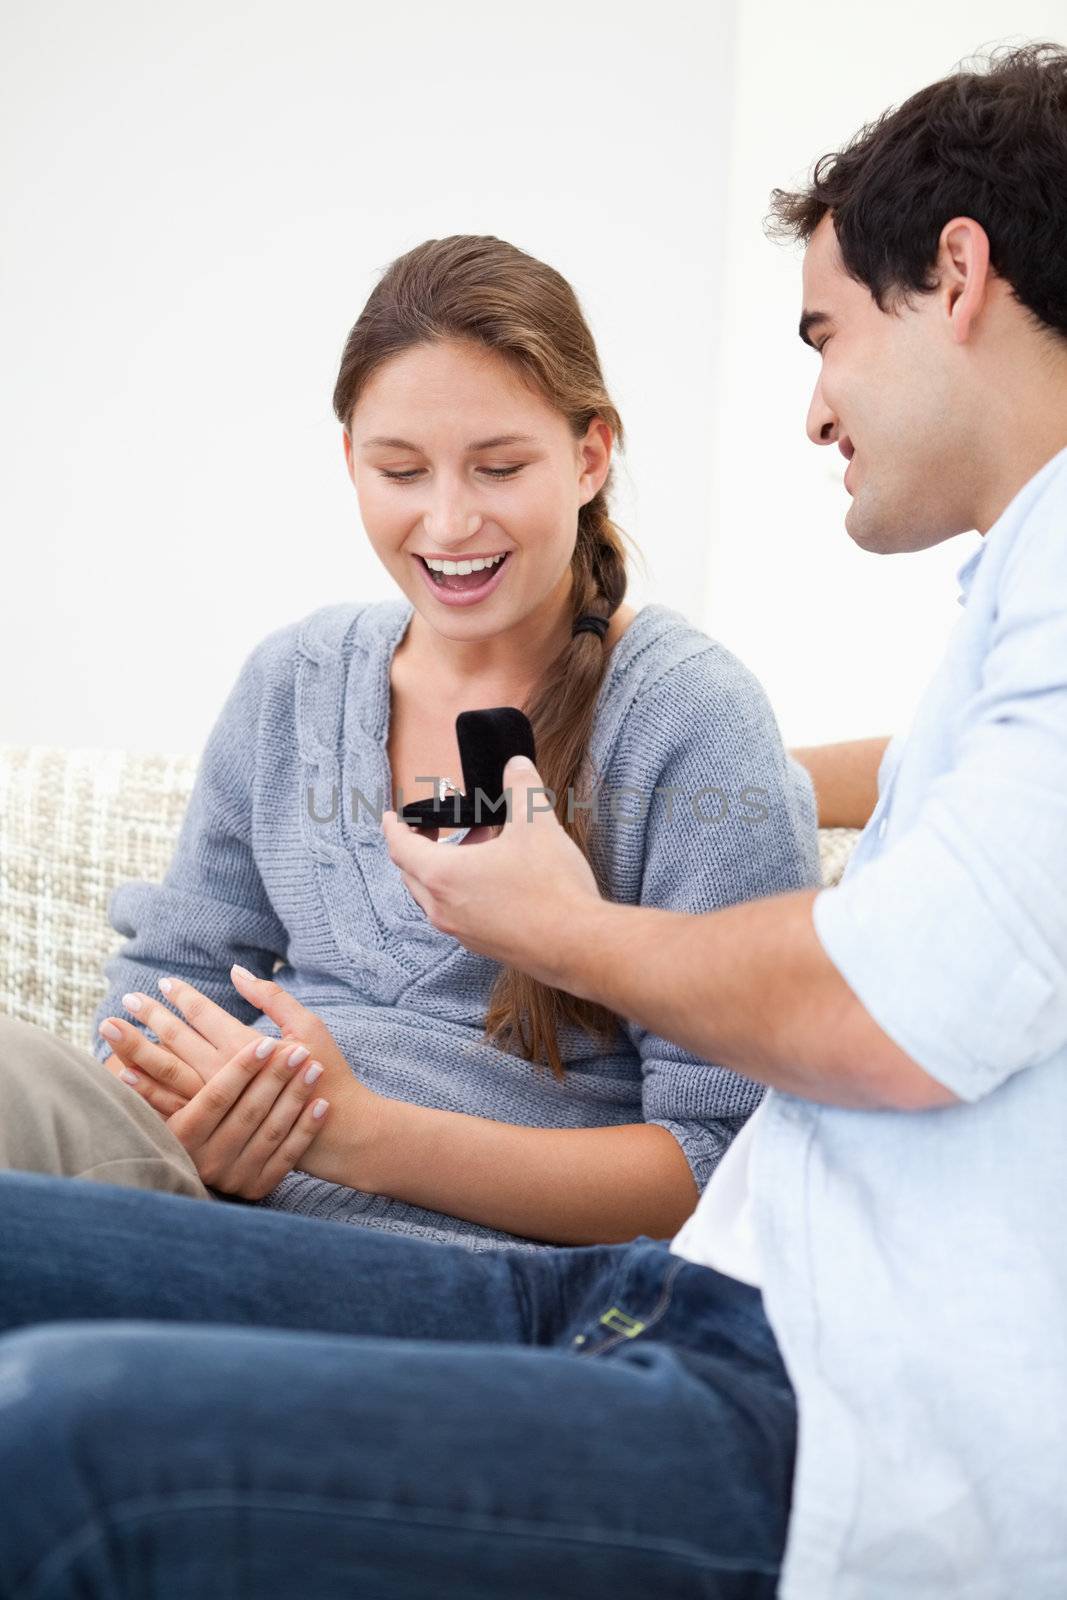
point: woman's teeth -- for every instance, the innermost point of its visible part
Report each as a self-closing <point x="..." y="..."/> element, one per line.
<point x="463" y="568"/>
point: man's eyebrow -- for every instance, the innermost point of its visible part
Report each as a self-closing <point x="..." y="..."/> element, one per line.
<point x="811" y="319"/>
<point x="494" y="443"/>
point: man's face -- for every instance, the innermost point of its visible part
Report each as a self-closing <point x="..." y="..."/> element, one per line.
<point x="890" y="394"/>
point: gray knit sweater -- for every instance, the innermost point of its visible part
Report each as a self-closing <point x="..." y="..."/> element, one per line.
<point x="280" y="859"/>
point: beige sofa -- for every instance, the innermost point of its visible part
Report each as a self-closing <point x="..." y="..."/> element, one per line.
<point x="73" y="824"/>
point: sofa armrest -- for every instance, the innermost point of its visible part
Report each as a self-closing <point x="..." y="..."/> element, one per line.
<point x="74" y="823"/>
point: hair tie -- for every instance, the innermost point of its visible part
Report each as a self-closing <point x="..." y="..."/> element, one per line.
<point x="590" y="624"/>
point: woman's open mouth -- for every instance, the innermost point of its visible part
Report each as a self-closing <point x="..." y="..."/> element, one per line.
<point x="464" y="588"/>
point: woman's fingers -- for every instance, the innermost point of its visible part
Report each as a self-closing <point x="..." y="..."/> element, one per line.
<point x="286" y="1122"/>
<point x="174" y="1034"/>
<point x="242" y="1122"/>
<point x="310" y="1116"/>
<point x="286" y="1012"/>
<point x="220" y="1028"/>
<point x="155" y="1061"/>
<point x="161" y="1100"/>
<point x="226" y="1109"/>
<point x="211" y="1106"/>
<point x="288" y="1125"/>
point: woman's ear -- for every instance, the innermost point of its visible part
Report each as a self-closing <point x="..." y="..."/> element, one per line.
<point x="346" y="438"/>
<point x="594" y="457"/>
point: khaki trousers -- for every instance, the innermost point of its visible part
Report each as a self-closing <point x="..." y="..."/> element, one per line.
<point x="63" y="1112"/>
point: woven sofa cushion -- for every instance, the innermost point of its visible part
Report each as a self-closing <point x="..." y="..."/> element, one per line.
<point x="73" y="825"/>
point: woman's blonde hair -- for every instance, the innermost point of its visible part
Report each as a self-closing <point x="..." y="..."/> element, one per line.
<point x="481" y="289"/>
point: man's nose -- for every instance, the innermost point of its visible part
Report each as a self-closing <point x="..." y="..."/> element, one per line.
<point x="823" y="426"/>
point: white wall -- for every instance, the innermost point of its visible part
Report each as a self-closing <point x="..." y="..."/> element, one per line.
<point x="842" y="639"/>
<point x="196" y="202"/>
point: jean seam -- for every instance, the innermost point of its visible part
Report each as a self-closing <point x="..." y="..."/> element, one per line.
<point x="523" y="1298"/>
<point x="617" y="1277"/>
<point x="99" y="1528"/>
<point x="657" y="1314"/>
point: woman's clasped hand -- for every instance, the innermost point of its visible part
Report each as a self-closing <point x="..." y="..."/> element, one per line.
<point x="245" y="1105"/>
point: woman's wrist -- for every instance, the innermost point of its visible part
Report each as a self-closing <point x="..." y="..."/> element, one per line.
<point x="347" y="1151"/>
<point x="845" y="779"/>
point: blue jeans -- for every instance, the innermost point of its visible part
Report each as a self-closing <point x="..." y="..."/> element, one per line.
<point x="200" y="1402"/>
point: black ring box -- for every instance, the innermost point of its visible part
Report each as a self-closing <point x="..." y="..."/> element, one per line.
<point x="487" y="741"/>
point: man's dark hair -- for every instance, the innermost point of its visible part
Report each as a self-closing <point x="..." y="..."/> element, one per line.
<point x="989" y="144"/>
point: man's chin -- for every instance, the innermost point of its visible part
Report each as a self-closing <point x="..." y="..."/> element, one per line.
<point x="885" y="530"/>
<point x="866" y="530"/>
<point x="856" y="525"/>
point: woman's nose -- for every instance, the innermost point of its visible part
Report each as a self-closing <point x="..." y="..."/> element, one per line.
<point x="450" y="522"/>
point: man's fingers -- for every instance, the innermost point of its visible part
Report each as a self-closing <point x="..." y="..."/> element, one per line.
<point x="416" y="891"/>
<point x="479" y="834"/>
<point x="522" y="777"/>
<point x="407" y="848"/>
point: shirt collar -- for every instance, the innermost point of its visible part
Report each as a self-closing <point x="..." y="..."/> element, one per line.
<point x="965" y="575"/>
<point x="1010" y="519"/>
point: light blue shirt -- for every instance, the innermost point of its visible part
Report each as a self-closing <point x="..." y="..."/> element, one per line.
<point x="914" y="1264"/>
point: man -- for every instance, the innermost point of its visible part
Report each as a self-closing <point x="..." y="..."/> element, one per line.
<point x="897" y="1197"/>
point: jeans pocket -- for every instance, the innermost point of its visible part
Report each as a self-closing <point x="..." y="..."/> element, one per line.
<point x="630" y="1313"/>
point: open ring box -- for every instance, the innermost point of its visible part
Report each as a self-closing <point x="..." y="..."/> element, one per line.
<point x="487" y="741"/>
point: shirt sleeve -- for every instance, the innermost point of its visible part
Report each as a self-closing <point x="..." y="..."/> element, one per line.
<point x="211" y="909"/>
<point x="955" y="936"/>
<point x="733" y="819"/>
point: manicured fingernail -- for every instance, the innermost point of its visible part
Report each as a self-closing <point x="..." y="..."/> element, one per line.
<point x="166" y="985"/>
<point x="109" y="1030"/>
<point x="264" y="1048"/>
<point x="301" y="1053"/>
<point x="132" y="1002"/>
<point x="313" y="1073"/>
<point x="127" y="1076"/>
<point x="319" y="1109"/>
<point x="243" y="972"/>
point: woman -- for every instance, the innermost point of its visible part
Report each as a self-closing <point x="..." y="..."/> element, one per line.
<point x="421" y="1089"/>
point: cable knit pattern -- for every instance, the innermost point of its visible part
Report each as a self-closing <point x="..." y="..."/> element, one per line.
<point x="280" y="865"/>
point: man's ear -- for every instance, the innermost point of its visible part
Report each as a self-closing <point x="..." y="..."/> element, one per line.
<point x="963" y="274"/>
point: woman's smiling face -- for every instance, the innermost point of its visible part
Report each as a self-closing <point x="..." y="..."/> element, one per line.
<point x="455" y="458"/>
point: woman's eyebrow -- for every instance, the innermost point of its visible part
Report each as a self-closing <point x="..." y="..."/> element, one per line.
<point x="500" y="439"/>
<point x="478" y="444"/>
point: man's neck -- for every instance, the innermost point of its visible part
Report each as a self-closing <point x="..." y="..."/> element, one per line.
<point x="1028" y="426"/>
